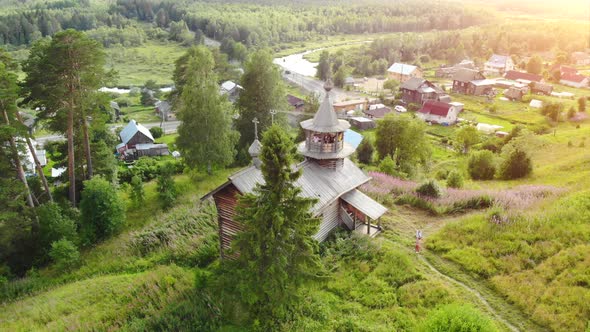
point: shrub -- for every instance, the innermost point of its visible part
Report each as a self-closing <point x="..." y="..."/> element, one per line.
<point x="365" y="151"/>
<point x="454" y="180"/>
<point x="166" y="186"/>
<point x="457" y="318"/>
<point x="429" y="189"/>
<point x="517" y="164"/>
<point x="156" y="132"/>
<point x="480" y="165"/>
<point x="103" y="212"/>
<point x="387" y="165"/>
<point x="137" y="192"/>
<point x="54" y="225"/>
<point x="64" y="253"/>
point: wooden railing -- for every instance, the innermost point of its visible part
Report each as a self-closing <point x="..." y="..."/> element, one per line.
<point x="348" y="221"/>
<point x="324" y="147"/>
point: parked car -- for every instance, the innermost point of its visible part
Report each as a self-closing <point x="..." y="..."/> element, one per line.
<point x="400" y="108"/>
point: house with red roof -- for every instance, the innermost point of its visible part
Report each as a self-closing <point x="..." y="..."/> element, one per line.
<point x="520" y="76"/>
<point x="574" y="80"/>
<point x="440" y="112"/>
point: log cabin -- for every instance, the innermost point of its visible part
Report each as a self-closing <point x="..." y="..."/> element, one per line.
<point x="327" y="175"/>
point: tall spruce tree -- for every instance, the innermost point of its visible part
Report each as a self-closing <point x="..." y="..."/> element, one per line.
<point x="63" y="76"/>
<point x="263" y="91"/>
<point x="276" y="249"/>
<point x="205" y="137"/>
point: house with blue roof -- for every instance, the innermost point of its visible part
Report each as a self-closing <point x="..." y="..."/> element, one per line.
<point x="403" y="72"/>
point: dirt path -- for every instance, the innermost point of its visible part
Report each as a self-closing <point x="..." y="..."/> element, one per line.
<point x="472" y="291"/>
<point x="402" y="225"/>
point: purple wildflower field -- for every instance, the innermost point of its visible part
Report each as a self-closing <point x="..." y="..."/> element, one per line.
<point x="520" y="197"/>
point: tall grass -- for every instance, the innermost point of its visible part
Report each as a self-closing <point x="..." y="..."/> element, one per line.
<point x="456" y="200"/>
<point x="539" y="261"/>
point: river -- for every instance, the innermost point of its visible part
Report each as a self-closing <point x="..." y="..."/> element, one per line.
<point x="295" y="63"/>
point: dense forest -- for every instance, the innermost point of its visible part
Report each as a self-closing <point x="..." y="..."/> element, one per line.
<point x="251" y="24"/>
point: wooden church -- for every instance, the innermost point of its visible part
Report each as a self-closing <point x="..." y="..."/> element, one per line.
<point x="327" y="175"/>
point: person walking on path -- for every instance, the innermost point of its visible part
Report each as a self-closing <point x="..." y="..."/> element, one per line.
<point x="417" y="245"/>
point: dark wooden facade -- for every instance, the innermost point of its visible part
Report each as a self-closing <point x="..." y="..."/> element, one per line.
<point x="226" y="201"/>
<point x="138" y="138"/>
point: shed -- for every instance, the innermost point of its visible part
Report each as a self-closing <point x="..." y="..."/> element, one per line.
<point x="151" y="150"/>
<point x="134" y="133"/>
<point x="488" y="128"/>
<point x="535" y="103"/>
<point x="362" y="123"/>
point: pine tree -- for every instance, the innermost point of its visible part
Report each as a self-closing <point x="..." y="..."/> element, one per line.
<point x="8" y="112"/>
<point x="263" y="92"/>
<point x="276" y="249"/>
<point x="205" y="137"/>
<point x="63" y="76"/>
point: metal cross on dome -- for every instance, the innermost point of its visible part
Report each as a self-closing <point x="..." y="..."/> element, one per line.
<point x="255" y="122"/>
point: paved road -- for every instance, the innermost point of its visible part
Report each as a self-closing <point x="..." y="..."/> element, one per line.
<point x="168" y="127"/>
<point x="311" y="84"/>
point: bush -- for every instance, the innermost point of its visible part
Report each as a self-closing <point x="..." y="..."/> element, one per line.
<point x="166" y="186"/>
<point x="387" y="166"/>
<point x="480" y="165"/>
<point x="429" y="189"/>
<point x="365" y="151"/>
<point x="457" y="318"/>
<point x="54" y="225"/>
<point x="103" y="212"/>
<point x="137" y="192"/>
<point x="64" y="253"/>
<point x="454" y="180"/>
<point x="517" y="164"/>
<point x="156" y="132"/>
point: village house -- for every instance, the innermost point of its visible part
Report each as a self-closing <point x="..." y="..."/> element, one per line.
<point x="164" y="110"/>
<point x="418" y="90"/>
<point x="563" y="69"/>
<point x="440" y="112"/>
<point x="362" y="123"/>
<point x="541" y="88"/>
<point x="231" y="89"/>
<point x="574" y="80"/>
<point x="351" y="105"/>
<point x="137" y="141"/>
<point x="515" y="93"/>
<point x="471" y="82"/>
<point x="403" y="72"/>
<point x="580" y="58"/>
<point x="377" y="111"/>
<point x="522" y="77"/>
<point x="328" y="175"/>
<point x="498" y="65"/>
<point x="448" y="72"/>
<point x="297" y="104"/>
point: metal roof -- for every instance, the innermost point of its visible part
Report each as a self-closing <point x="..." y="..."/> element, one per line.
<point x="353" y="138"/>
<point x="147" y="146"/>
<point x="413" y="83"/>
<point x="325" y="184"/>
<point x="467" y="75"/>
<point x="401" y="68"/>
<point x="365" y="204"/>
<point x="131" y="129"/>
<point x="325" y="119"/>
<point x="228" y="86"/>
